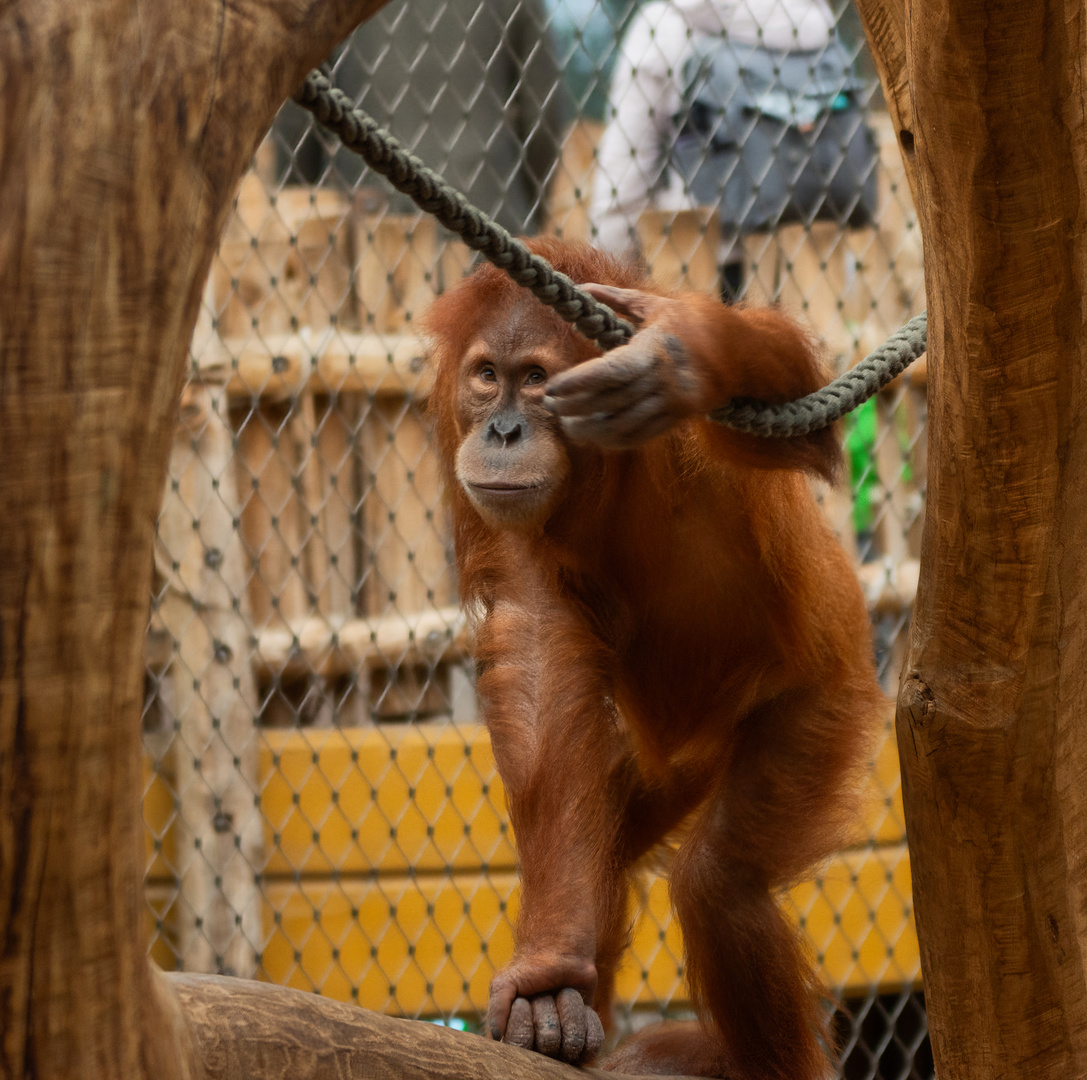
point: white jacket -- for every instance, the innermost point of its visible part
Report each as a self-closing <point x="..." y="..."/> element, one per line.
<point x="646" y="93"/>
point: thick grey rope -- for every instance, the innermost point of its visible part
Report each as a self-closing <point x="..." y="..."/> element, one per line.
<point x="384" y="154"/>
<point x="408" y="174"/>
<point x="837" y="398"/>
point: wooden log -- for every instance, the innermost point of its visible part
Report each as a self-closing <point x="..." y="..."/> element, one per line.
<point x="398" y="271"/>
<point x="235" y="1023"/>
<point x="284" y="261"/>
<point x="210" y="691"/>
<point x="275" y="367"/>
<point x="332" y="647"/>
<point x="337" y="461"/>
<point x="126" y="128"/>
<point x="271" y="519"/>
<point x="681" y="247"/>
<point x="992" y="724"/>
<point x="406" y="544"/>
<point x="310" y="493"/>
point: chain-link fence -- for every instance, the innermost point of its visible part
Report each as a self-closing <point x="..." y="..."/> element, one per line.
<point x="321" y="802"/>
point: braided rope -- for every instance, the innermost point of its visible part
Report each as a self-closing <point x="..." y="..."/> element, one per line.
<point x="385" y="155"/>
<point x="408" y="174"/>
<point x="843" y="395"/>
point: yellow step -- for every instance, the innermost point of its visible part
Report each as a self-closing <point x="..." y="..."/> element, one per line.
<point x="391" y="875"/>
<point x="428" y="944"/>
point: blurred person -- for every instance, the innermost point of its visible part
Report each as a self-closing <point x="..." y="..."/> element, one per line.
<point x="748" y="106"/>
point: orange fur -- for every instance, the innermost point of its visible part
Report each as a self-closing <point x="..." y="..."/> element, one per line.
<point x="679" y="650"/>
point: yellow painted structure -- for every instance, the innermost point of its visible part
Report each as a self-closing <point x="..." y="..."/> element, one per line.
<point x="391" y="877"/>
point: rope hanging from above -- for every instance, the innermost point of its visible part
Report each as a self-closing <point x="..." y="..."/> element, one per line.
<point x="385" y="155"/>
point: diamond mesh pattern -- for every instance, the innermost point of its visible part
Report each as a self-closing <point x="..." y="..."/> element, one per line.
<point x="322" y="806"/>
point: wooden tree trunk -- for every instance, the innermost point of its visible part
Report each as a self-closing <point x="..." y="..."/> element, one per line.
<point x="124" y="128"/>
<point x="992" y="714"/>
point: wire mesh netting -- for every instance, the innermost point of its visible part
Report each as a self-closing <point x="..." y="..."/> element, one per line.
<point x="322" y="805"/>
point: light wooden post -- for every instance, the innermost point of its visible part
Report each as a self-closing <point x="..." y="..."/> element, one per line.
<point x="992" y="714"/>
<point x="219" y="843"/>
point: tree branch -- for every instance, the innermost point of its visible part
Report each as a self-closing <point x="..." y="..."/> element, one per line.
<point x="245" y="1029"/>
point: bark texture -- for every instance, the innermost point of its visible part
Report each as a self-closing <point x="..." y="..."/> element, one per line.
<point x="992" y="715"/>
<point x="243" y="1030"/>
<point x="124" y="128"/>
